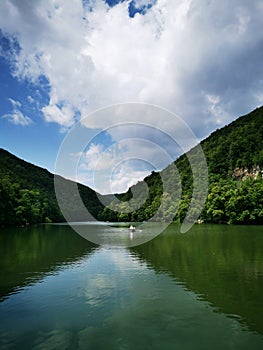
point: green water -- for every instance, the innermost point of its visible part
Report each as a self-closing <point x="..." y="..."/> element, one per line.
<point x="199" y="290"/>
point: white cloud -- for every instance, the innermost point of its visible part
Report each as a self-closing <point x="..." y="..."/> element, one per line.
<point x="17" y="117"/>
<point x="125" y="177"/>
<point x="201" y="59"/>
<point x="215" y="109"/>
<point x="16" y="104"/>
<point x="142" y="3"/>
<point x="166" y="57"/>
<point x="64" y="115"/>
<point x="96" y="158"/>
<point x="121" y="165"/>
<point x="104" y="182"/>
<point x="30" y="99"/>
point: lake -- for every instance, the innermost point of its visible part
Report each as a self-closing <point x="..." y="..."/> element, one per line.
<point x="199" y="290"/>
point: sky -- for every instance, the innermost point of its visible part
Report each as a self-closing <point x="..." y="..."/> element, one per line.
<point x="128" y="76"/>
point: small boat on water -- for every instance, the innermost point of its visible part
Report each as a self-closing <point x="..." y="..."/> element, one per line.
<point x="132" y="228"/>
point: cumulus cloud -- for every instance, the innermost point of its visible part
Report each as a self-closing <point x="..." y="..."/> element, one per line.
<point x="143" y="3"/>
<point x="95" y="158"/>
<point x="116" y="168"/>
<point x="174" y="56"/>
<point x="149" y="141"/>
<point x="63" y="115"/>
<point x="201" y="59"/>
<point x="17" y="117"/>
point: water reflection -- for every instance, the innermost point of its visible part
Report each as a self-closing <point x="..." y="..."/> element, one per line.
<point x="29" y="254"/>
<point x="155" y="296"/>
<point x="118" y="234"/>
<point x="221" y="264"/>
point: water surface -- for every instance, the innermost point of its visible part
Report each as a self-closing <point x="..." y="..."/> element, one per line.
<point x="199" y="290"/>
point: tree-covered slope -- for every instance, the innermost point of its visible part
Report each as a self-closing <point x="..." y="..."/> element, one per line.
<point x="239" y="144"/>
<point x="234" y="156"/>
<point x="27" y="193"/>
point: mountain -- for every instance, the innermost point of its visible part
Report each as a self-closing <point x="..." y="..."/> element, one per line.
<point x="234" y="156"/>
<point x="239" y="144"/>
<point x="27" y="193"/>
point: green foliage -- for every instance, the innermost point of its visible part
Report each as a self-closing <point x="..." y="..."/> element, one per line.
<point x="27" y="192"/>
<point x="19" y="206"/>
<point x="239" y="144"/>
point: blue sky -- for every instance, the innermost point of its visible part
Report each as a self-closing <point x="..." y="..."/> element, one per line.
<point x="60" y="61"/>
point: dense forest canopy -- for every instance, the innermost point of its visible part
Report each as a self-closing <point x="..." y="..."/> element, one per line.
<point x="234" y="157"/>
<point x="27" y="193"/>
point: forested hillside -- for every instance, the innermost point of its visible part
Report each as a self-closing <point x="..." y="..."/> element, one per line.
<point x="234" y="157"/>
<point x="27" y="193"/>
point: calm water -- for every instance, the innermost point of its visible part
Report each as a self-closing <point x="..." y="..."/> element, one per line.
<point x="200" y="290"/>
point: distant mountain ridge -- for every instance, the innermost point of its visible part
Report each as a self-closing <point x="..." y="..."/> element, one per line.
<point x="27" y="191"/>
